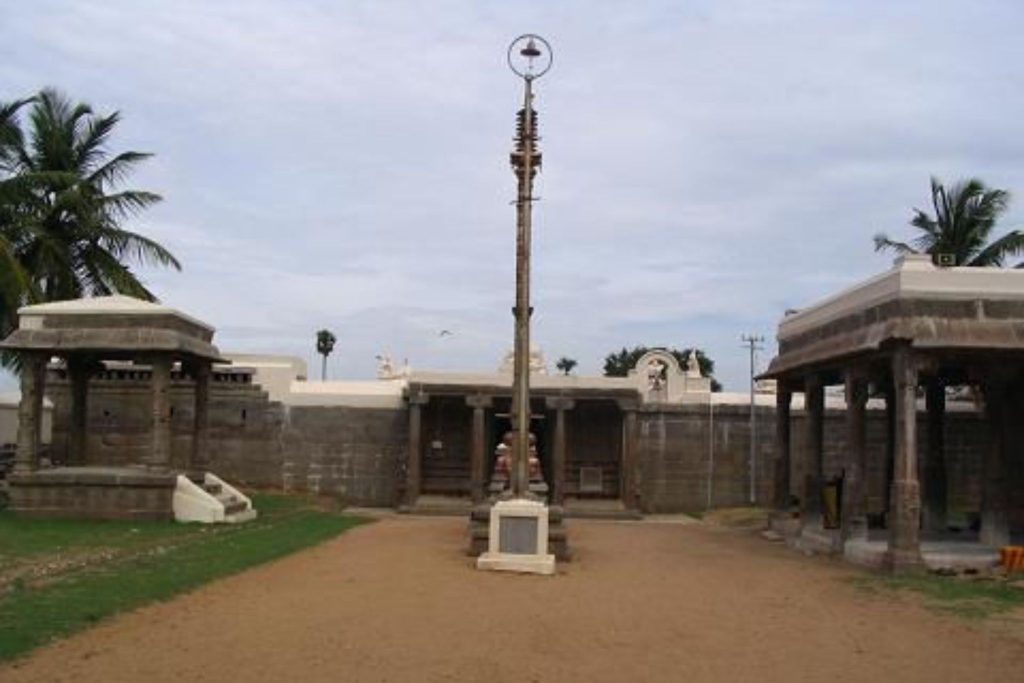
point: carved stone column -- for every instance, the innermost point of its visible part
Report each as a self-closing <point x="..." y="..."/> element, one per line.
<point x="558" y="457"/>
<point x="414" y="464"/>
<point x="814" y="401"/>
<point x="160" y="388"/>
<point x="30" y="411"/>
<point x="904" y="552"/>
<point x="78" y="428"/>
<point x="934" y="469"/>
<point x="783" y="447"/>
<point x="995" y="526"/>
<point x="200" y="458"/>
<point x="855" y="509"/>
<point x="478" y="451"/>
<point x="628" y="476"/>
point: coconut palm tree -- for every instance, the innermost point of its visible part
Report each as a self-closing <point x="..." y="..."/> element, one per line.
<point x="325" y="340"/>
<point x="961" y="228"/>
<point x="566" y="365"/>
<point x="62" y="208"/>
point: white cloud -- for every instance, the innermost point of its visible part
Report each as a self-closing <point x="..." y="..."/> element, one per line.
<point x="707" y="164"/>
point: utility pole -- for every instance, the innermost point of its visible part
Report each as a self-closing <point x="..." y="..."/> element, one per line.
<point x="752" y="342"/>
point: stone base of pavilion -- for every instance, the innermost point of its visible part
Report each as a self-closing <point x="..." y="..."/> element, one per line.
<point x="940" y="554"/>
<point x="956" y="552"/>
<point x="126" y="493"/>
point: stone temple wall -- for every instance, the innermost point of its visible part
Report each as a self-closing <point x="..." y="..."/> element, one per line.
<point x="675" y="452"/>
<point x="358" y="454"/>
<point x="351" y="453"/>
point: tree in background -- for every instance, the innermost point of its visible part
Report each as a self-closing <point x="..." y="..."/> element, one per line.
<point x="325" y="340"/>
<point x="961" y="228"/>
<point x="619" y="364"/>
<point x="62" y="207"/>
<point x="566" y="365"/>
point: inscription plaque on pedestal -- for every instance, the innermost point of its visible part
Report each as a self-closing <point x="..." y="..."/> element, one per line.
<point x="517" y="535"/>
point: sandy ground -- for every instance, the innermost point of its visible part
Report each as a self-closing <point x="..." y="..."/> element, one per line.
<point x="397" y="601"/>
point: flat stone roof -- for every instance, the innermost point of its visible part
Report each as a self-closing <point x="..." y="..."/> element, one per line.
<point x="118" y="325"/>
<point x="115" y="304"/>
<point x="916" y="301"/>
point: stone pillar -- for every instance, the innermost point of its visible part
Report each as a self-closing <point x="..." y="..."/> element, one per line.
<point x="558" y="457"/>
<point x="995" y="526"/>
<point x="413" y="466"/>
<point x="889" y="396"/>
<point x="855" y="507"/>
<point x="814" y="402"/>
<point x="783" y="400"/>
<point x="200" y="457"/>
<point x="78" y="427"/>
<point x="478" y="450"/>
<point x="934" y="467"/>
<point x="904" y="552"/>
<point x="628" y="479"/>
<point x="30" y="412"/>
<point x="160" y="387"/>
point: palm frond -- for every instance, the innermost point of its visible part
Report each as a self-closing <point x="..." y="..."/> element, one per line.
<point x="117" y="169"/>
<point x="107" y="274"/>
<point x="89" y="146"/>
<point x="129" y="202"/>
<point x="138" y="247"/>
<point x="883" y="243"/>
<point x="995" y="254"/>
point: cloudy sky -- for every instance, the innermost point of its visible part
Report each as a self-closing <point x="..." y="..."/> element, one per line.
<point x="708" y="164"/>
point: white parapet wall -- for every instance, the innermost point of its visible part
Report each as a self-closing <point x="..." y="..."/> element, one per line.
<point x="9" y="418"/>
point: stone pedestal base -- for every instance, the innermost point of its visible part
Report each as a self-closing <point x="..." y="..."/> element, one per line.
<point x="480" y="532"/>
<point x="518" y="539"/>
<point x="784" y="523"/>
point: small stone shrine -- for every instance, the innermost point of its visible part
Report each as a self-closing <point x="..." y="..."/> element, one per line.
<point x="80" y="339"/>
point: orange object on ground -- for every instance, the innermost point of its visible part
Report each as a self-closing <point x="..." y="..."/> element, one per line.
<point x="1012" y="558"/>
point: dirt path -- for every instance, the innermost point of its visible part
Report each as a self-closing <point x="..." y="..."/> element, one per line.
<point x="396" y="601"/>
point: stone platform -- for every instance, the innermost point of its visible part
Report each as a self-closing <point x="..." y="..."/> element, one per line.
<point x="943" y="554"/>
<point x="951" y="552"/>
<point x="94" y="493"/>
<point x="599" y="508"/>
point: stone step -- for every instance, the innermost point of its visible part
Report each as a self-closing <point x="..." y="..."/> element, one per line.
<point x="235" y="506"/>
<point x="426" y="504"/>
<point x="599" y="509"/>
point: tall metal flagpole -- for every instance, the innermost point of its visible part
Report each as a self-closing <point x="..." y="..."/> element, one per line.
<point x="526" y="161"/>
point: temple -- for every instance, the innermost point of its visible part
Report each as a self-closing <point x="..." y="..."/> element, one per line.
<point x="893" y="401"/>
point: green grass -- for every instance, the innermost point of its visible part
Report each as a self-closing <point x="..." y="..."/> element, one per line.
<point x="971" y="599"/>
<point x="139" y="563"/>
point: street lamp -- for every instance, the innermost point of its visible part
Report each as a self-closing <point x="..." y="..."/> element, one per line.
<point x="529" y="57"/>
